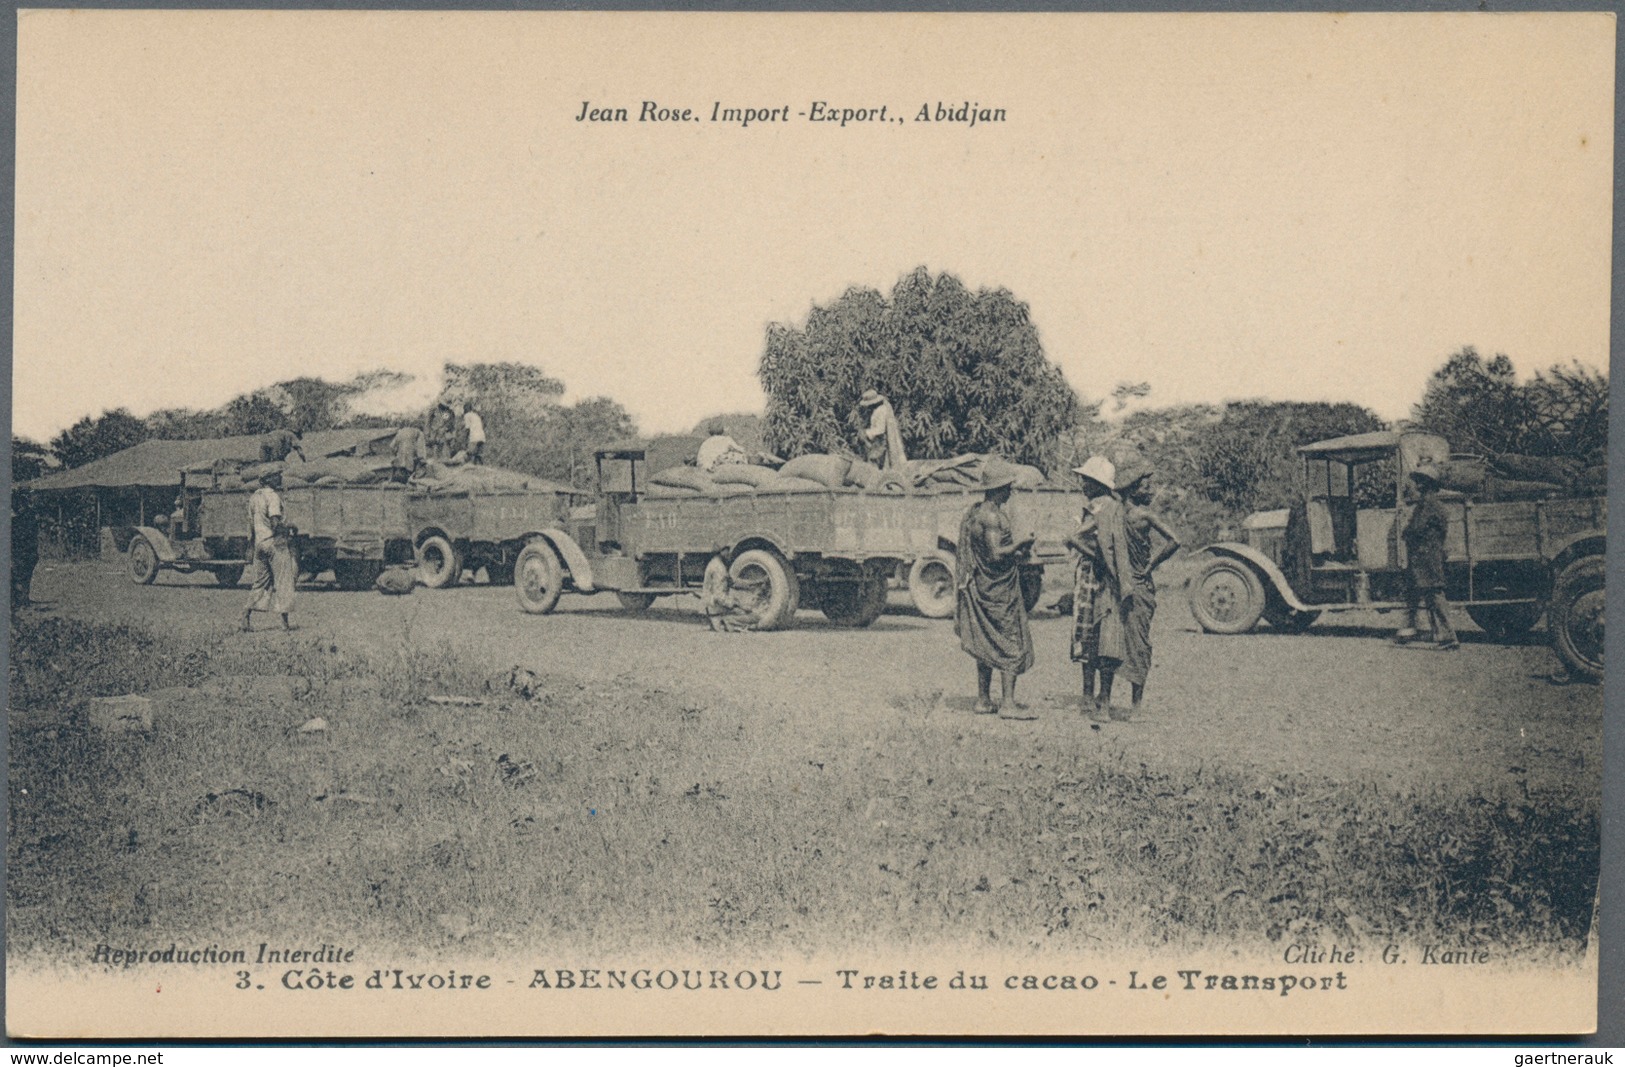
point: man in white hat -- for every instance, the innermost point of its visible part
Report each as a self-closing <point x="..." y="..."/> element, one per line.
<point x="989" y="615"/>
<point x="1101" y="547"/>
<point x="882" y="435"/>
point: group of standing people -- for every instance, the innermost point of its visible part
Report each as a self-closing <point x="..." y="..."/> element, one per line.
<point x="1118" y="545"/>
<point x="456" y="427"/>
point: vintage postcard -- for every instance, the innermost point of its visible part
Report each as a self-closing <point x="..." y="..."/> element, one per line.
<point x="584" y="523"/>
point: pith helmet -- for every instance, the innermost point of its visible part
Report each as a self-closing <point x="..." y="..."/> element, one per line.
<point x="869" y="399"/>
<point x="1098" y="469"/>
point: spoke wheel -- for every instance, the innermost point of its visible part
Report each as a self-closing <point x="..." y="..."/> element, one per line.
<point x="1577" y="616"/>
<point x="1227" y="597"/>
<point x="538" y="578"/>
<point x="143" y="562"/>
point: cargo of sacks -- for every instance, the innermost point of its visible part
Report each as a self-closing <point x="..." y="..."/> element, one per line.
<point x="819" y="472"/>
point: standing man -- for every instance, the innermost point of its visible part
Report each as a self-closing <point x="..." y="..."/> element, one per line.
<point x="278" y="445"/>
<point x="989" y="617"/>
<point x="1424" y="562"/>
<point x="1096" y="586"/>
<point x="274" y="571"/>
<point x="882" y="436"/>
<point x="474" y="431"/>
<point x="1141" y="527"/>
<point x="442" y="436"/>
<point x="24" y="547"/>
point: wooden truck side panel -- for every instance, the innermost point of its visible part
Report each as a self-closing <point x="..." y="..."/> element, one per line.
<point x="844" y="523"/>
<point x="486" y="517"/>
<point x="358" y="519"/>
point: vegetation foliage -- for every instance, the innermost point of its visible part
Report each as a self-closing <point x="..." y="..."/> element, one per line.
<point x="965" y="372"/>
<point x="417" y="826"/>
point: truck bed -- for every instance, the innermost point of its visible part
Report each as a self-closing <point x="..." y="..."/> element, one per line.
<point x="848" y="523"/>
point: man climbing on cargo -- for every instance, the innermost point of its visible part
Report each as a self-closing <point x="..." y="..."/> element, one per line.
<point x="442" y="432"/>
<point x="989" y="615"/>
<point x="1101" y="546"/>
<point x="410" y="453"/>
<point x="882" y="435"/>
<point x="722" y="610"/>
<point x="273" y="570"/>
<point x="1141" y="527"/>
<point x="278" y="445"/>
<point x="1424" y="563"/>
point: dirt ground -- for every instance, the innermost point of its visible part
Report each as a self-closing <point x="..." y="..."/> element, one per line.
<point x="1339" y="701"/>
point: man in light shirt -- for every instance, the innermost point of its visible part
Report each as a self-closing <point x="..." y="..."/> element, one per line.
<point x="718" y="448"/>
<point x="272" y="566"/>
<point x="474" y="431"/>
<point x="882" y="435"/>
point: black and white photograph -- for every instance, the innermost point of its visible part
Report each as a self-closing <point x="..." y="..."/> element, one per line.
<point x="606" y="524"/>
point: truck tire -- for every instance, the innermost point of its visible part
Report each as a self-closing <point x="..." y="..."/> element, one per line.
<point x="931" y="585"/>
<point x="355" y="575"/>
<point x="1032" y="586"/>
<point x="765" y="587"/>
<point x="1226" y="597"/>
<point x="228" y="576"/>
<point x="440" y="565"/>
<point x="143" y="561"/>
<point x="1576" y="616"/>
<point x="1506" y="620"/>
<point x="635" y="602"/>
<point x="538" y="578"/>
<point x="854" y="604"/>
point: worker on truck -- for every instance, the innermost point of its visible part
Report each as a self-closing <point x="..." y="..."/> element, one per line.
<point x="882" y="434"/>
<point x="278" y="445"/>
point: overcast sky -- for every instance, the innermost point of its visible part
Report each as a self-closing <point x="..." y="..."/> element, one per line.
<point x="1286" y="206"/>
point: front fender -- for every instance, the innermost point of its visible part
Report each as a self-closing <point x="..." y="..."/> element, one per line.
<point x="160" y="543"/>
<point x="575" y="560"/>
<point x="1265" y="566"/>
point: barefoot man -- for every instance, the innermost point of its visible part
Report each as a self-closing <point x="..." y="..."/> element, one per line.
<point x="990" y="619"/>
<point x="1096" y="588"/>
<point x="1138" y="607"/>
<point x="271" y="555"/>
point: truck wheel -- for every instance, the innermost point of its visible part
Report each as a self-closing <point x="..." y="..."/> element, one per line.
<point x="1505" y="620"/>
<point x="1576" y="616"/>
<point x="354" y="575"/>
<point x="765" y="587"/>
<point x="854" y="603"/>
<point x="439" y="564"/>
<point x="1227" y="597"/>
<point x="1280" y="617"/>
<point x="228" y="576"/>
<point x="931" y="586"/>
<point x="538" y="579"/>
<point x="1032" y="586"/>
<point x="143" y="561"/>
<point x="635" y="601"/>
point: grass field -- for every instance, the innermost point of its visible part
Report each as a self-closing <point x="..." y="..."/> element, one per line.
<point x="574" y="812"/>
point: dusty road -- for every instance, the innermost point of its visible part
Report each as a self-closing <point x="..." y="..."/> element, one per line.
<point x="1338" y="702"/>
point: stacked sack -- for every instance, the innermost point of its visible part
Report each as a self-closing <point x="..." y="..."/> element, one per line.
<point x="1511" y="476"/>
<point x="820" y="473"/>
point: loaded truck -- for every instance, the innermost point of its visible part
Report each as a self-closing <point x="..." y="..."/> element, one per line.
<point x="833" y="549"/>
<point x="1508" y="562"/>
<point x="352" y="530"/>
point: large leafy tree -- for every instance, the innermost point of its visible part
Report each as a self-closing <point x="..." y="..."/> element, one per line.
<point x="92" y="438"/>
<point x="1480" y="406"/>
<point x="965" y="372"/>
